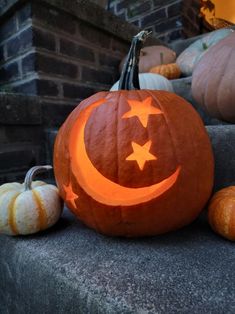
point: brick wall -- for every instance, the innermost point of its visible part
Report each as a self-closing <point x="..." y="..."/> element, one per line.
<point x="15" y="45"/>
<point x="21" y="136"/>
<point x="48" y="52"/>
<point x="162" y="17"/>
<point x="169" y="20"/>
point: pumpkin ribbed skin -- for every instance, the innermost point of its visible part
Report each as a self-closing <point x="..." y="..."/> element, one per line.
<point x="27" y="212"/>
<point x="221" y="212"/>
<point x="178" y="140"/>
<point x="213" y="81"/>
<point x="170" y="71"/>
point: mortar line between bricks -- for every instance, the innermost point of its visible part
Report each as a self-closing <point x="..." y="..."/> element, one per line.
<point x="168" y="32"/>
<point x="76" y="39"/>
<point x="72" y="81"/>
<point x="138" y="17"/>
<point x="13" y="82"/>
<point x="60" y="102"/>
<point x="63" y="35"/>
<point x="24" y="80"/>
<point x="59" y="80"/>
<point x="74" y="60"/>
<point x="62" y="57"/>
<point x="25" y="27"/>
<point x="6" y="147"/>
<point x="172" y="3"/>
<point x="68" y="103"/>
<point x="56" y="32"/>
<point x="17" y="23"/>
<point x="18" y="58"/>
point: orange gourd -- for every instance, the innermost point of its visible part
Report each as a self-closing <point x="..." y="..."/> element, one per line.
<point x="132" y="162"/>
<point x="170" y="71"/>
<point x="221" y="212"/>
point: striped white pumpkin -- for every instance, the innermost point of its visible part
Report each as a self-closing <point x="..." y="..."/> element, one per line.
<point x="28" y="207"/>
<point x="151" y="81"/>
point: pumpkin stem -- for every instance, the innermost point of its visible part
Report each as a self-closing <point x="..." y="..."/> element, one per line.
<point x="161" y="58"/>
<point x="32" y="173"/>
<point x="130" y="73"/>
<point x="204" y="46"/>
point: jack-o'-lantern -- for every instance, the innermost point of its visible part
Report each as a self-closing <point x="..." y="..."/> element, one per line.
<point x="132" y="162"/>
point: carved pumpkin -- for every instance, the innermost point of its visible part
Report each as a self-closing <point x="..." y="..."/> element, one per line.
<point x="150" y="57"/>
<point x="188" y="59"/>
<point x="170" y="71"/>
<point x="221" y="212"/>
<point x="151" y="81"/>
<point x="213" y="81"/>
<point x="29" y="207"/>
<point x="132" y="162"/>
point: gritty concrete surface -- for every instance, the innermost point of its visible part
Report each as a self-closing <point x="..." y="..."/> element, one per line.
<point x="223" y="143"/>
<point x="72" y="269"/>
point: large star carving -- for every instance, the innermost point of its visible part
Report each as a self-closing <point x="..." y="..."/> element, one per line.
<point x="142" y="110"/>
<point x="70" y="196"/>
<point x="141" y="154"/>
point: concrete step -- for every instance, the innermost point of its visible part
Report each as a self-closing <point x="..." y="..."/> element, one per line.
<point x="77" y="270"/>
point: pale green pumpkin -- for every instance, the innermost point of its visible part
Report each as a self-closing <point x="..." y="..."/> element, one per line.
<point x="188" y="59"/>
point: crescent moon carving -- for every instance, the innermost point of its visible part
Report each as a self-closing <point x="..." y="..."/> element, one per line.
<point x="95" y="184"/>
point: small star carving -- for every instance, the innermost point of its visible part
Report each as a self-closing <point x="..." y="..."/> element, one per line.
<point x="142" y="110"/>
<point x="141" y="154"/>
<point x="70" y="196"/>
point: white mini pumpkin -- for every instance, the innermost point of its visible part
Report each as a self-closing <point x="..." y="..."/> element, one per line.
<point x="151" y="81"/>
<point x="29" y="207"/>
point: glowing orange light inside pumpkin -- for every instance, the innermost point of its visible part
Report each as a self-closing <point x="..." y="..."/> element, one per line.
<point x="142" y="110"/>
<point x="141" y="154"/>
<point x="95" y="184"/>
<point x="70" y="195"/>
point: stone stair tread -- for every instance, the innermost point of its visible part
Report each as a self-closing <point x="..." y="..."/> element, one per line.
<point x="72" y="269"/>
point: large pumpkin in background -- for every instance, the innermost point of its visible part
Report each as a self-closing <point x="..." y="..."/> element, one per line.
<point x="213" y="81"/>
<point x="132" y="162"/>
